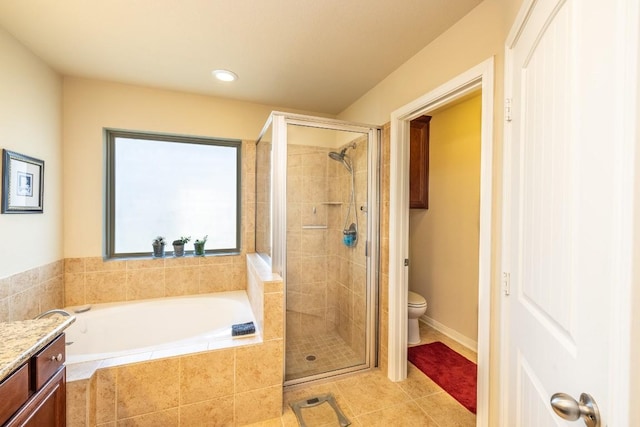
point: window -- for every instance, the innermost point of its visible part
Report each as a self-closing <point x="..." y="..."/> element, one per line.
<point x="171" y="186"/>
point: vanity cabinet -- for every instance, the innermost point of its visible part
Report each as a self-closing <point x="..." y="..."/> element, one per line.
<point x="34" y="395"/>
<point x="419" y="163"/>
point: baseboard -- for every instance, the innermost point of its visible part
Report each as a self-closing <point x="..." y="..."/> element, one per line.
<point x="451" y="333"/>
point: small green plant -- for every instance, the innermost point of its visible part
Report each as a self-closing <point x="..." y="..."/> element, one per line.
<point x="182" y="240"/>
<point x="198" y="246"/>
<point x="158" y="247"/>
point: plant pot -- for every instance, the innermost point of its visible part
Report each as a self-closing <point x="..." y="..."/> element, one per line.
<point x="198" y="249"/>
<point x="158" y="250"/>
<point x="178" y="250"/>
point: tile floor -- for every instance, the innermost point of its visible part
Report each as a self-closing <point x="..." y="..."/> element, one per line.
<point x="370" y="399"/>
<point x="329" y="352"/>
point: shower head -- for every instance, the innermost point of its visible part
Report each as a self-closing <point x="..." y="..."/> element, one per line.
<point x="337" y="156"/>
<point x="342" y="156"/>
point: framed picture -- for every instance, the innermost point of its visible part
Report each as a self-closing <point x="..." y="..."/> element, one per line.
<point x="22" y="183"/>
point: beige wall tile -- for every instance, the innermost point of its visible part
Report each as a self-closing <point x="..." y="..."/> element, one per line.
<point x="74" y="265"/>
<point x="52" y="294"/>
<point x="105" y="286"/>
<point x="147" y="387"/>
<point x="145" y="283"/>
<point x="212" y="278"/>
<point x="5" y="287"/>
<point x="184" y="261"/>
<point x="92" y="403"/>
<point x="273" y="316"/>
<point x="24" y="305"/>
<point x="215" y="412"/>
<point x="217" y="260"/>
<point x="235" y="277"/>
<point x="259" y="366"/>
<point x="137" y="264"/>
<point x="51" y="270"/>
<point x="98" y="264"/>
<point x="206" y="376"/>
<point x="106" y="380"/>
<point x="273" y="286"/>
<point x="74" y="289"/>
<point x="181" y="281"/>
<point x="258" y="405"/>
<point x="166" y="418"/>
<point x="76" y="393"/>
<point x="22" y="281"/>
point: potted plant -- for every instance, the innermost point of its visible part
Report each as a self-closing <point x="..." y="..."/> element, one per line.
<point x="178" y="245"/>
<point x="198" y="245"/>
<point x="158" y="247"/>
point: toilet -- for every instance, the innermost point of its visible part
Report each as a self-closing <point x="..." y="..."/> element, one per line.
<point x="417" y="306"/>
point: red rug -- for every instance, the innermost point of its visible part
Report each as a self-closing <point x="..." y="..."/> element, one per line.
<point x="454" y="373"/>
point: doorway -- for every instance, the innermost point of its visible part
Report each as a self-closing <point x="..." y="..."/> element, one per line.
<point x="479" y="78"/>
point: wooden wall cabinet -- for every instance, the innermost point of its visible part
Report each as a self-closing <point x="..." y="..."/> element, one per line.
<point x="34" y="395"/>
<point x="419" y="163"/>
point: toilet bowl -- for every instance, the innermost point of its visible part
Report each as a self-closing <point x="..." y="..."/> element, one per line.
<point x="417" y="306"/>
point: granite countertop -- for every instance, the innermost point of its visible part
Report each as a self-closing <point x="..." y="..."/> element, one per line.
<point x="22" y="339"/>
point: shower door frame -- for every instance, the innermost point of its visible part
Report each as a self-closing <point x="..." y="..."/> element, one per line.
<point x="279" y="122"/>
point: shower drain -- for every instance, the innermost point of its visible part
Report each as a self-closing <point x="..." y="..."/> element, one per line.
<point x="310" y="358"/>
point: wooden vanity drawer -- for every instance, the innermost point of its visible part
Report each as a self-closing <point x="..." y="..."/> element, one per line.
<point x="47" y="362"/>
<point x="14" y="391"/>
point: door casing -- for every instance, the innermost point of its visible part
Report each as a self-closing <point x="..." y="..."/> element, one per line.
<point x="480" y="77"/>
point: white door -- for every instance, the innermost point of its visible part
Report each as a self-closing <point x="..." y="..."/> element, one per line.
<point x="567" y="213"/>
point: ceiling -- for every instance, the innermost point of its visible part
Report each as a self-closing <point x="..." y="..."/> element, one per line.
<point x="314" y="55"/>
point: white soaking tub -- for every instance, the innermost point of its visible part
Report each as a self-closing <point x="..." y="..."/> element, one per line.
<point x="200" y="322"/>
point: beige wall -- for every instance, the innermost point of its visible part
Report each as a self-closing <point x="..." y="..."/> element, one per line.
<point x="91" y="105"/>
<point x="30" y="124"/>
<point x="443" y="243"/>
<point x="31" y="264"/>
<point x="476" y="37"/>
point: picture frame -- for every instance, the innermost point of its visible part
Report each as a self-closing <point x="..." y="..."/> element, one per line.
<point x="22" y="183"/>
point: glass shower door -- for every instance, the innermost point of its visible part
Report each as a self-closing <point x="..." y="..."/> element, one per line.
<point x="317" y="225"/>
<point x="329" y="296"/>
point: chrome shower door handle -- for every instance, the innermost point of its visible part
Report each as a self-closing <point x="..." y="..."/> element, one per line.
<point x="566" y="407"/>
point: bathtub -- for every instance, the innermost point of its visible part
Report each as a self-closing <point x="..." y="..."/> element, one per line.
<point x="155" y="326"/>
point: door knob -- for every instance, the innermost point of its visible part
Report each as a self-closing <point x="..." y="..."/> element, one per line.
<point x="566" y="407"/>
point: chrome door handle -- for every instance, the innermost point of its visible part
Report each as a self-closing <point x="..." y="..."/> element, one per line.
<point x="566" y="407"/>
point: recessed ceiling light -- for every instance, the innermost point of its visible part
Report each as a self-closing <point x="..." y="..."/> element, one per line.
<point x="224" y="75"/>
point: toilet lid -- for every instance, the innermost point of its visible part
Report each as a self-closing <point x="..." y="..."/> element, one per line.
<point x="416" y="300"/>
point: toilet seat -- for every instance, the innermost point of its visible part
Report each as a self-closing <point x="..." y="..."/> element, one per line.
<point x="416" y="300"/>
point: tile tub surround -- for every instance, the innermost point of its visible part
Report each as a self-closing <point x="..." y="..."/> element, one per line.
<point x="266" y="295"/>
<point x="221" y="386"/>
<point x="92" y="280"/>
<point x="26" y="294"/>
<point x="22" y="339"/>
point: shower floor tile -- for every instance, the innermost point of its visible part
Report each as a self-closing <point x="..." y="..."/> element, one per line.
<point x="318" y="353"/>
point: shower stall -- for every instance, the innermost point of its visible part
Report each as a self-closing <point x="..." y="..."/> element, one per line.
<point x="317" y="225"/>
